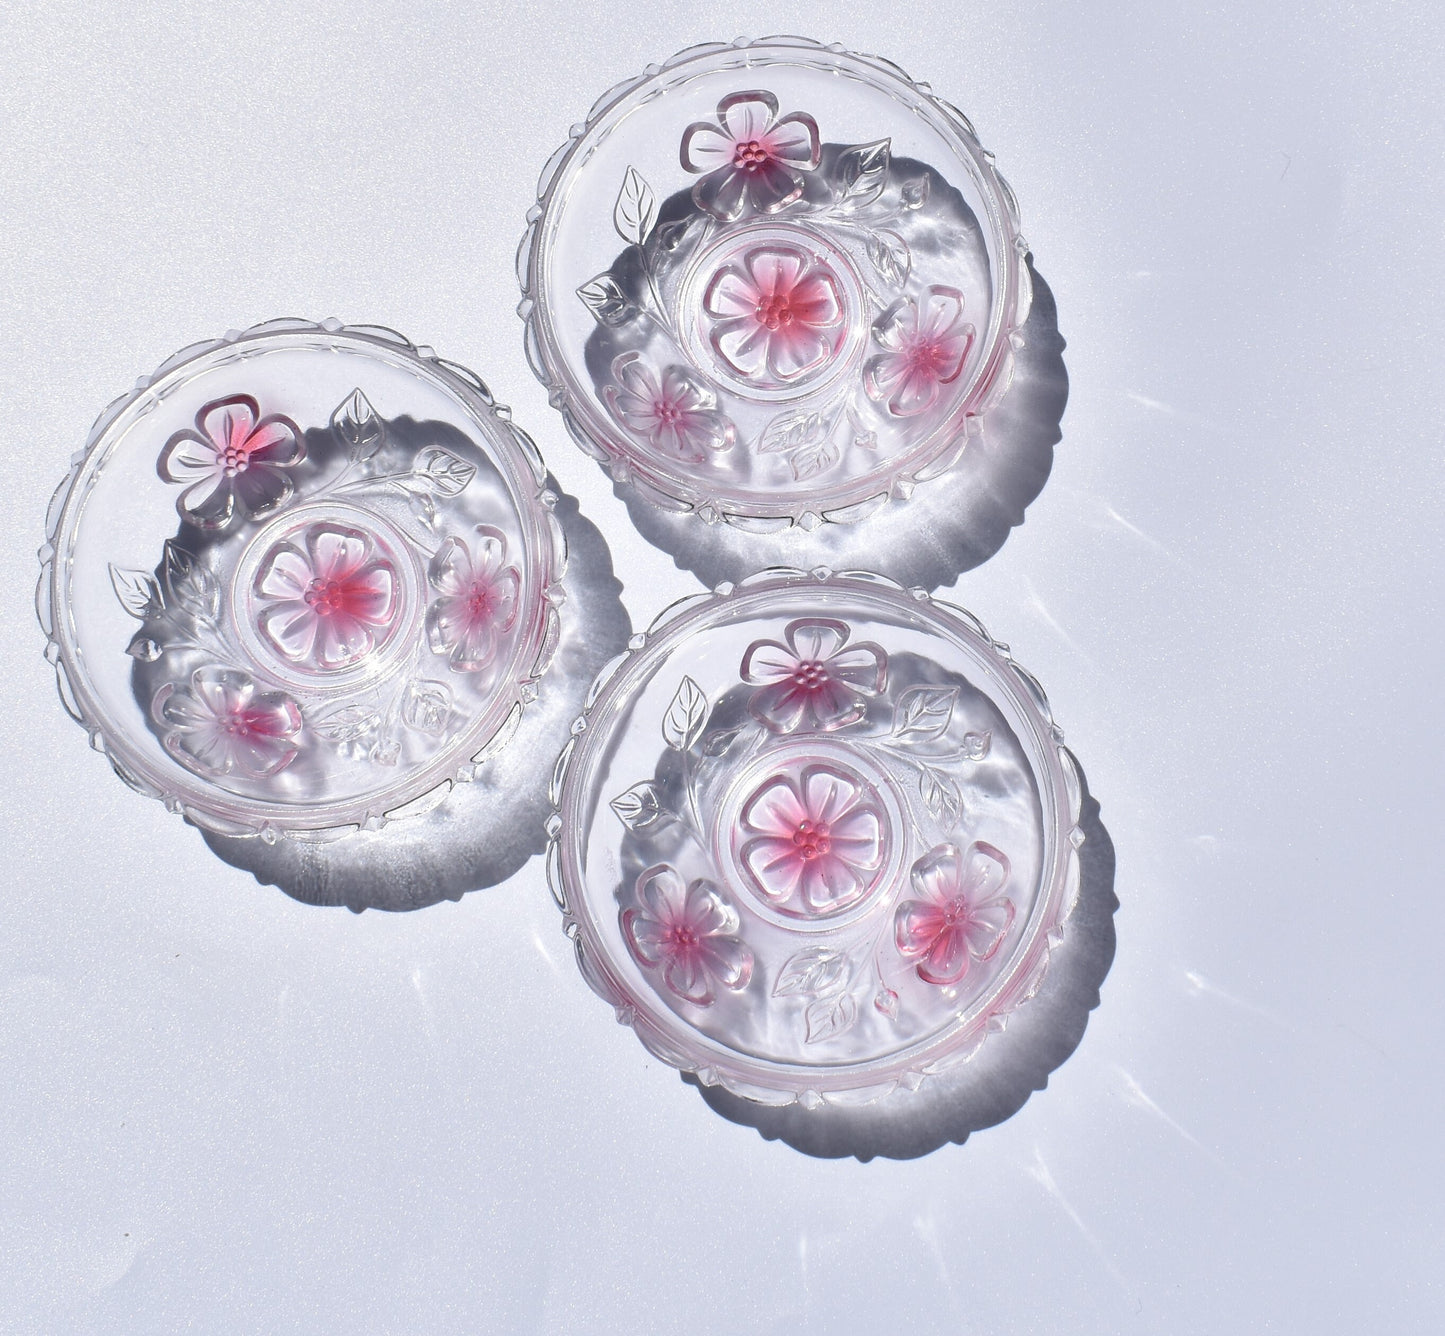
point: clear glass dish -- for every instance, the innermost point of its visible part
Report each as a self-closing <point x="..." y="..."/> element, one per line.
<point x="773" y="282"/>
<point x="301" y="580"/>
<point x="815" y="836"/>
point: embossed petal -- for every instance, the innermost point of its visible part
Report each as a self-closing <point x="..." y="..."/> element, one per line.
<point x="813" y="676"/>
<point x="686" y="931"/>
<point x="960" y="914"/>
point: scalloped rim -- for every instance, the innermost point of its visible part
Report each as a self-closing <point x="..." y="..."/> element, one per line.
<point x="1062" y="893"/>
<point x="468" y="386"/>
<point x="1014" y="284"/>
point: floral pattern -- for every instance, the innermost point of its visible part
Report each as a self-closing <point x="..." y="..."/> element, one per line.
<point x="235" y="459"/>
<point x="750" y="156"/>
<point x="777" y="314"/>
<point x="478" y="599"/>
<point x="686" y="930"/>
<point x="326" y="601"/>
<point x="672" y="412"/>
<point x="817" y="840"/>
<point x="925" y="343"/>
<point x="813" y="676"/>
<point x="221" y="725"/>
<point x="960" y="915"/>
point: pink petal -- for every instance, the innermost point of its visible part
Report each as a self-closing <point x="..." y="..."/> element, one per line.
<point x="505" y="590"/>
<point x="223" y="691"/>
<point x="815" y="639"/>
<point x="776" y="864"/>
<point x="773" y="187"/>
<point x="705" y="148"/>
<point x="341" y="640"/>
<point x="261" y="488"/>
<point x="828" y="882"/>
<point x="915" y="392"/>
<point x="864" y="666"/>
<point x="955" y="352"/>
<point x="721" y="193"/>
<point x="779" y="708"/>
<point x="661" y="891"/>
<point x="775" y="270"/>
<point x="703" y="913"/>
<point x="768" y="661"/>
<point x="275" y="442"/>
<point x="947" y="959"/>
<point x="450" y="570"/>
<point x="858" y="838"/>
<point x="916" y="925"/>
<point x="731" y="294"/>
<point x="371" y="594"/>
<point x="287" y="574"/>
<point x="729" y="961"/>
<point x="476" y="645"/>
<point x="747" y="116"/>
<point x="794" y="139"/>
<point x="882" y="373"/>
<point x="816" y="302"/>
<point x="827" y="795"/>
<point x="274" y="715"/>
<point x="335" y="553"/>
<point x="984" y="872"/>
<point x="644" y="936"/>
<point x="987" y="927"/>
<point x="228" y="422"/>
<point x="897" y="325"/>
<point x="743" y="344"/>
<point x="685" y="975"/>
<point x="939" y="314"/>
<point x="936" y="874"/>
<point x="777" y="809"/>
<point x="834" y="705"/>
<point x="792" y="354"/>
<point x="261" y="757"/>
<point x="291" y="629"/>
<point x="189" y="459"/>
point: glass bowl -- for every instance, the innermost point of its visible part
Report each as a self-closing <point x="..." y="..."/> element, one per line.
<point x="301" y="580"/>
<point x="773" y="282"/>
<point x="815" y="837"/>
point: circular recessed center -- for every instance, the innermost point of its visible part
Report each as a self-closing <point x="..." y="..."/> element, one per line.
<point x="772" y="311"/>
<point x="810" y="833"/>
<point x="325" y="593"/>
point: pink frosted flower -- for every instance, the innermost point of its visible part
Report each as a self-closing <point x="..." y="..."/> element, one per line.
<point x="326" y="605"/>
<point x="688" y="931"/>
<point x="672" y="413"/>
<point x="478" y="603"/>
<point x="776" y="315"/>
<point x="818" y="840"/>
<point x="813" y="674"/>
<point x="221" y="725"/>
<point x="234" y="456"/>
<point x="925" y="344"/>
<point x="960" y="915"/>
<point x="749" y="155"/>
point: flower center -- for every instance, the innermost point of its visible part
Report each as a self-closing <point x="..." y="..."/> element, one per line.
<point x="811" y="839"/>
<point x="668" y="412"/>
<point x="750" y="155"/>
<point x="235" y="459"/>
<point x="680" y="939"/>
<point x="237" y="726"/>
<point x="926" y="358"/>
<point x="480" y="602"/>
<point x="810" y="675"/>
<point x="955" y="913"/>
<point x="326" y="597"/>
<point x="776" y="311"/>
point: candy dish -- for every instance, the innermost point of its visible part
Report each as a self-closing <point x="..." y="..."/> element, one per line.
<point x="814" y="837"/>
<point x="301" y="580"/>
<point x="773" y="282"/>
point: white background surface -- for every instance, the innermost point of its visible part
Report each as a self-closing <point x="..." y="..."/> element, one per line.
<point x="224" y="1111"/>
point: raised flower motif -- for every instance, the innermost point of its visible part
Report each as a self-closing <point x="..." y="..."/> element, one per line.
<point x="813" y="676"/>
<point x="960" y="914"/>
<point x="672" y="412"/>
<point x="816" y="842"/>
<point x="687" y="931"/>
<point x="750" y="155"/>
<point x="219" y="724"/>
<point x="924" y="345"/>
<point x="234" y="458"/>
<point x="776" y="314"/>
<point x="478" y="599"/>
<point x="327" y="600"/>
